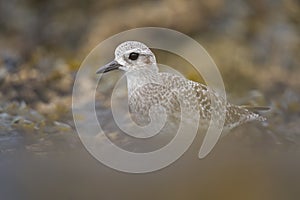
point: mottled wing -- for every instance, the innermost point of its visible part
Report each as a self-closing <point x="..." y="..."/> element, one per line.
<point x="197" y="96"/>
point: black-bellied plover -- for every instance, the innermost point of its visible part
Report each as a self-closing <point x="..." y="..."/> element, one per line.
<point x="148" y="87"/>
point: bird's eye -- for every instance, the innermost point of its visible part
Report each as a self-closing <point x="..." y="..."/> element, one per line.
<point x="133" y="56"/>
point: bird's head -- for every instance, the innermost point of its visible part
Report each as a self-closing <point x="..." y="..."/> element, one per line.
<point x="130" y="56"/>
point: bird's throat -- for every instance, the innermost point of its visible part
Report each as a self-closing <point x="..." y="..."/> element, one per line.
<point x="139" y="78"/>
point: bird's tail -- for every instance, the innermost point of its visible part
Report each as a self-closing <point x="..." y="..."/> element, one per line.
<point x="257" y="110"/>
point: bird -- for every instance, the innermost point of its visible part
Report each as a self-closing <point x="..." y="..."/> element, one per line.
<point x="148" y="87"/>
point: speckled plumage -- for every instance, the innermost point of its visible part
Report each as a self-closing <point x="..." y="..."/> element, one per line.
<point x="194" y="96"/>
<point x="148" y="87"/>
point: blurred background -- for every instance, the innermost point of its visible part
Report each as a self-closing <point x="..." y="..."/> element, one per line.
<point x="255" y="44"/>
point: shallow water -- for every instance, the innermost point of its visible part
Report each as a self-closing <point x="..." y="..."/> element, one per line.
<point x="251" y="162"/>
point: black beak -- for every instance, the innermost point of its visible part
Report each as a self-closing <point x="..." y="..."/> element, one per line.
<point x="109" y="67"/>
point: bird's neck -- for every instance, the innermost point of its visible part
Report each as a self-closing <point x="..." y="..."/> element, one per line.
<point x="138" y="78"/>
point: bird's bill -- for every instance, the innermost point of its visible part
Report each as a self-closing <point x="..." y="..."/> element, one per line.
<point x="113" y="65"/>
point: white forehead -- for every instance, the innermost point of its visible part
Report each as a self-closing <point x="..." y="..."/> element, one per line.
<point x="130" y="46"/>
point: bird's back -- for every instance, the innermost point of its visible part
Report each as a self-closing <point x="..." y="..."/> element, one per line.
<point x="174" y="92"/>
